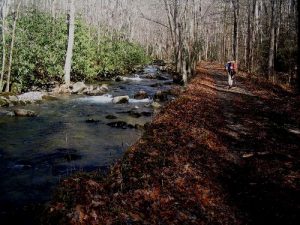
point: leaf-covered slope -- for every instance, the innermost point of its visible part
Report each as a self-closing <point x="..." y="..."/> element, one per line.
<point x="201" y="161"/>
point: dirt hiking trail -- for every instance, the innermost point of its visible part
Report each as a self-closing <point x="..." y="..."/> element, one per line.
<point x="211" y="156"/>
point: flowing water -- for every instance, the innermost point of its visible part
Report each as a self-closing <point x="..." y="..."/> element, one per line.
<point x="70" y="134"/>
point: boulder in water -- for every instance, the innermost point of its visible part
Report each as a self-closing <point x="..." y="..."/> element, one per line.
<point x="119" y="78"/>
<point x="78" y="87"/>
<point x="94" y="91"/>
<point x="61" y="89"/>
<point x="24" y="113"/>
<point x="104" y="88"/>
<point x="32" y="96"/>
<point x="141" y="95"/>
<point x="155" y="105"/>
<point x="161" y="96"/>
<point x="150" y="76"/>
<point x="121" y="99"/>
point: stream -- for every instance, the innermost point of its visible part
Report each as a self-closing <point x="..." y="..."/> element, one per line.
<point x="69" y="135"/>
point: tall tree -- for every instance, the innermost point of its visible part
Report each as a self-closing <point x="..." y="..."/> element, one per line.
<point x="251" y="5"/>
<point x="236" y="14"/>
<point x="71" y="31"/>
<point x="298" y="55"/>
<point x="7" y="88"/>
<point x="4" y="11"/>
<point x="272" y="40"/>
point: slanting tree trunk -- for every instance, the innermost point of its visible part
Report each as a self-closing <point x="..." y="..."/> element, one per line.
<point x="272" y="41"/>
<point x="71" y="25"/>
<point x="7" y="88"/>
<point x="4" y="11"/>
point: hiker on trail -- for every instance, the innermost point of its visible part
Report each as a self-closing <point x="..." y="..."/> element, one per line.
<point x="231" y="71"/>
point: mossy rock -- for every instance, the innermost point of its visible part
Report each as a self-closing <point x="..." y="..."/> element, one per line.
<point x="6" y="94"/>
<point x="16" y="88"/>
<point x="4" y="102"/>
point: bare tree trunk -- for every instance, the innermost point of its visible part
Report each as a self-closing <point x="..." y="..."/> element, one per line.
<point x="298" y="56"/>
<point x="71" y="25"/>
<point x="236" y="9"/>
<point x="7" y="88"/>
<point x="272" y="41"/>
<point x="206" y="47"/>
<point x="248" y="43"/>
<point x="53" y="8"/>
<point x="3" y="45"/>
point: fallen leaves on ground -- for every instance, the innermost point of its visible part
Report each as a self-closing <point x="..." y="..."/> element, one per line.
<point x="190" y="168"/>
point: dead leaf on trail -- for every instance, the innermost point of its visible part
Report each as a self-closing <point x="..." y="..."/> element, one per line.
<point x="98" y="203"/>
<point x="80" y="213"/>
<point x="135" y="217"/>
<point x="187" y="168"/>
<point x="93" y="183"/>
<point x="247" y="155"/>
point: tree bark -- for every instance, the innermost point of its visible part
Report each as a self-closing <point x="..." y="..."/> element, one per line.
<point x="3" y="45"/>
<point x="272" y="41"/>
<point x="298" y="55"/>
<point x="71" y="25"/>
<point x="236" y="12"/>
<point x="7" y="88"/>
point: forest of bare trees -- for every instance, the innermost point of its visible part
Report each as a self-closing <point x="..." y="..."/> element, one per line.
<point x="261" y="35"/>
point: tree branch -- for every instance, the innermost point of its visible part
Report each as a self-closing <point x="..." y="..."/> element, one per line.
<point x="152" y="20"/>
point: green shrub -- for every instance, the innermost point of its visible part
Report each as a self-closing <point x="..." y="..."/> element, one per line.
<point x="40" y="49"/>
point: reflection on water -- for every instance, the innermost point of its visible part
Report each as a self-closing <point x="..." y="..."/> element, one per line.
<point x="35" y="153"/>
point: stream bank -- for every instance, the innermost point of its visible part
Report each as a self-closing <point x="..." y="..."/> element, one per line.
<point x="212" y="156"/>
<point x="70" y="134"/>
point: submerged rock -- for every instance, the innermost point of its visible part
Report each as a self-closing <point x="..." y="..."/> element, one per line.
<point x="124" y="125"/>
<point x="161" y="77"/>
<point x="118" y="124"/>
<point x="49" y="98"/>
<point x="146" y="114"/>
<point x="121" y="99"/>
<point x="92" y="121"/>
<point x="111" y="117"/>
<point x="134" y="114"/>
<point x="24" y="113"/>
